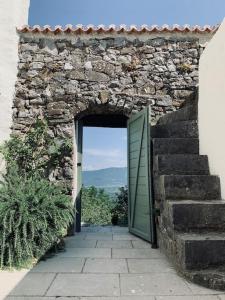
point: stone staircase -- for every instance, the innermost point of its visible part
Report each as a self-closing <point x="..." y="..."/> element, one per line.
<point x="191" y="224"/>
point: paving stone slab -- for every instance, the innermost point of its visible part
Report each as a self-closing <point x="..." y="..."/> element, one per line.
<point x="68" y="298"/>
<point x="60" y="265"/>
<point x="85" y="285"/>
<point x="118" y="229"/>
<point x="114" y="244"/>
<point x="87" y="252"/>
<point x="32" y="298"/>
<point x="33" y="284"/>
<point x="105" y="229"/>
<point x="76" y="237"/>
<point x="119" y="298"/>
<point x="96" y="228"/>
<point x="205" y="297"/>
<point x="96" y="265"/>
<point x="139" y="244"/>
<point x="151" y="276"/>
<point x="149" y="266"/>
<point x="99" y="233"/>
<point x="153" y="284"/>
<point x="80" y="243"/>
<point x="99" y="236"/>
<point x="125" y="237"/>
<point x="136" y="253"/>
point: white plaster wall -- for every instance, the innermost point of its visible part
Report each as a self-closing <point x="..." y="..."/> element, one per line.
<point x="13" y="13"/>
<point x="212" y="104"/>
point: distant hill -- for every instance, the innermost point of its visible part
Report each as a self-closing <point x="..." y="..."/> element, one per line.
<point x="110" y="177"/>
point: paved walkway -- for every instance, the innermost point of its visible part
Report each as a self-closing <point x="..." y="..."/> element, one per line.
<point x="107" y="263"/>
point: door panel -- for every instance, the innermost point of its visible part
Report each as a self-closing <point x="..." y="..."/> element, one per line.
<point x="139" y="177"/>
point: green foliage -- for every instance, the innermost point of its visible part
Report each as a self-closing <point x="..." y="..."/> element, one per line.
<point x="120" y="210"/>
<point x="37" y="150"/>
<point x="96" y="206"/>
<point x="34" y="214"/>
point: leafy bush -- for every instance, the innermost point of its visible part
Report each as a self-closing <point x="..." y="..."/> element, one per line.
<point x="120" y="210"/>
<point x="36" y="150"/>
<point x="96" y="206"/>
<point x="34" y="214"/>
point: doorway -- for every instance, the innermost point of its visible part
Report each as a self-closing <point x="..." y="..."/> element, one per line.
<point x="104" y="177"/>
<point x="140" y="199"/>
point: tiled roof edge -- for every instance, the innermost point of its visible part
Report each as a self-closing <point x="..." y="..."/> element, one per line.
<point x="89" y="29"/>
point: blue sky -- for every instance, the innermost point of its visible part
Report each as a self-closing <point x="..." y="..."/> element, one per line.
<point x="104" y="147"/>
<point x="138" y="12"/>
<point x="107" y="147"/>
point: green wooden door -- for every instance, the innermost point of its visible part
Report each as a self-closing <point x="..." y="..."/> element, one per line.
<point x="140" y="214"/>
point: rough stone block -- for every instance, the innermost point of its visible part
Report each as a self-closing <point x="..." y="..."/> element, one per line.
<point x="184" y="129"/>
<point x="96" y="76"/>
<point x="196" y="215"/>
<point x="196" y="251"/>
<point x="175" y="146"/>
<point x="184" y="114"/>
<point x="194" y="187"/>
<point x="181" y="164"/>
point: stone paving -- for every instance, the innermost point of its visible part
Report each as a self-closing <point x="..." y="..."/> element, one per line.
<point x="104" y="263"/>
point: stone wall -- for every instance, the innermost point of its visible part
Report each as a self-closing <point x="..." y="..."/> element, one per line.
<point x="64" y="77"/>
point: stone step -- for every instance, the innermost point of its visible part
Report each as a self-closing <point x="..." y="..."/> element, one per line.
<point x="194" y="187"/>
<point x="189" y="215"/>
<point x="175" y="146"/>
<point x="213" y="278"/>
<point x="200" y="251"/>
<point x="180" y="164"/>
<point x="184" y="129"/>
<point x="189" y="112"/>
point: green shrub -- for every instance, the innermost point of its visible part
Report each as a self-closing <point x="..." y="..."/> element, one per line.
<point x="34" y="214"/>
<point x="96" y="206"/>
<point x="120" y="210"/>
<point x="36" y="150"/>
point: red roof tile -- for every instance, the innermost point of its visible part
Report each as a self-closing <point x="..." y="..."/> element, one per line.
<point x="81" y="29"/>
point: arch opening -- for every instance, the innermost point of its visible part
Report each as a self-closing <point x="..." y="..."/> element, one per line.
<point x="97" y="122"/>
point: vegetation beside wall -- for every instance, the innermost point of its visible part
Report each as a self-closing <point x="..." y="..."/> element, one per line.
<point x="37" y="150"/>
<point x="34" y="212"/>
<point x="98" y="208"/>
<point x="120" y="210"/>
